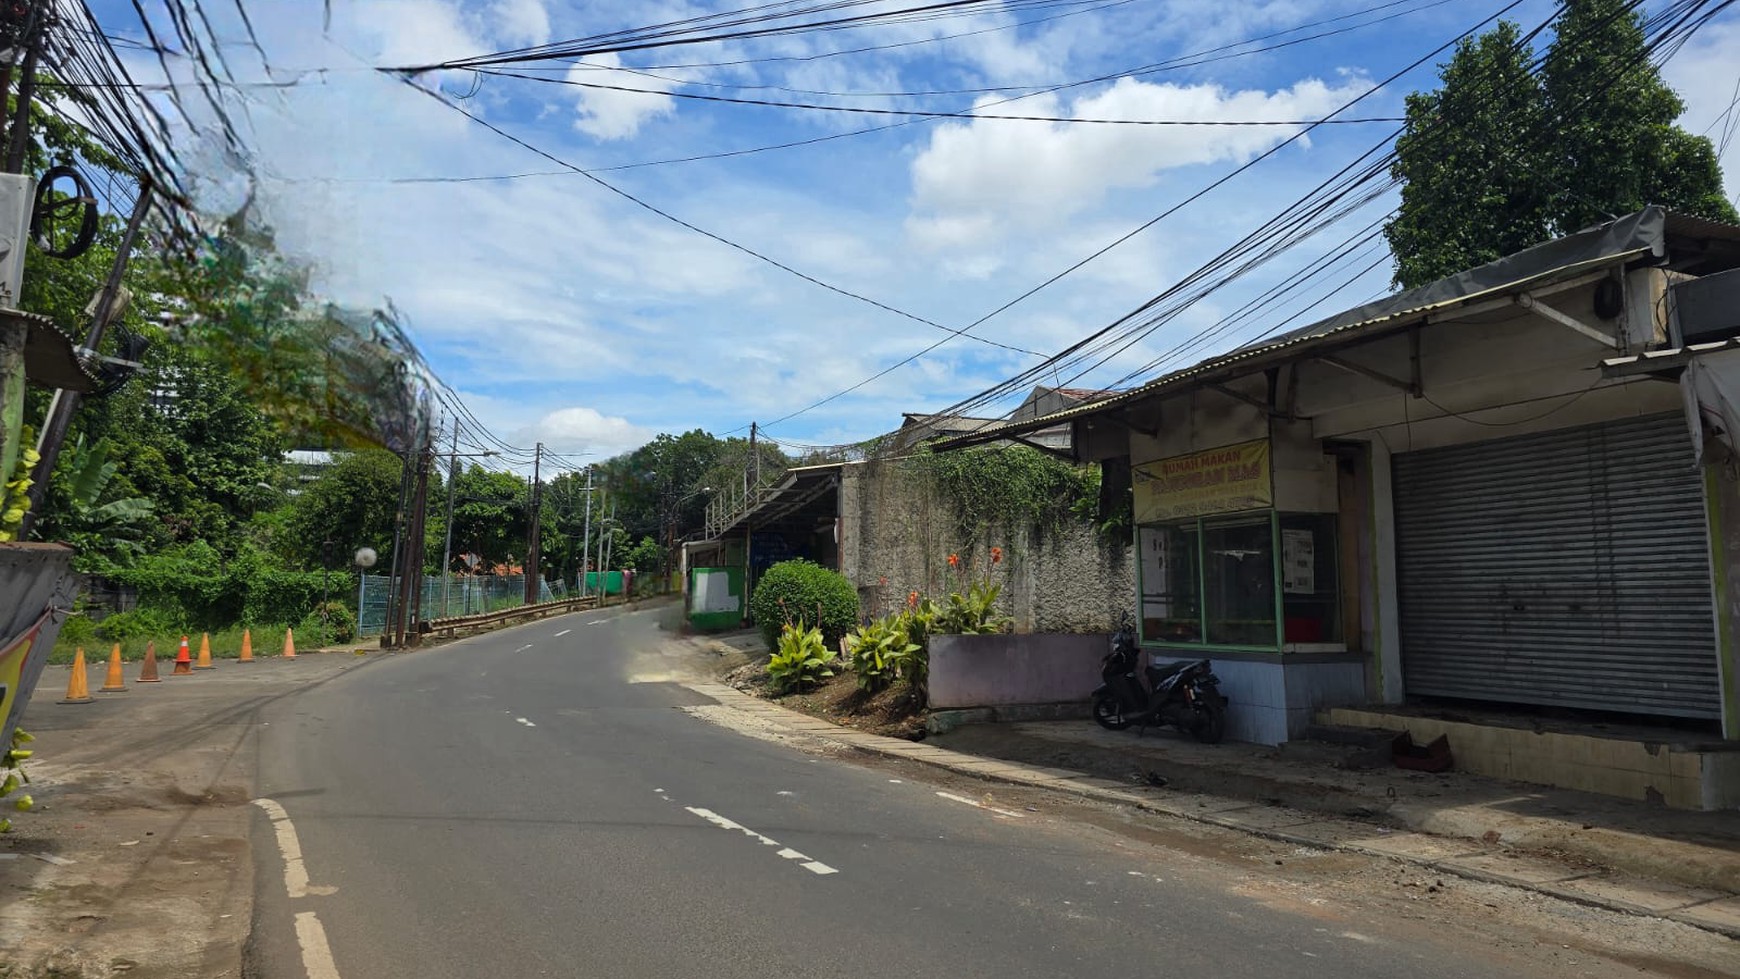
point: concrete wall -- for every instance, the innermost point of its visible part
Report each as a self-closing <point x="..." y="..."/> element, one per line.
<point x="897" y="534"/>
<point x="996" y="671"/>
<point x="1273" y="698"/>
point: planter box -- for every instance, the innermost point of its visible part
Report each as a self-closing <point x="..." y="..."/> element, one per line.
<point x="34" y="578"/>
<point x="1003" y="670"/>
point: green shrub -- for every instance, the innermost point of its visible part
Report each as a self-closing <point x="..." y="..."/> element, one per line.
<point x="881" y="651"/>
<point x="972" y="613"/>
<point x="800" y="659"/>
<point x="140" y="623"/>
<point x="800" y="590"/>
<point x="336" y="626"/>
<point x="77" y="629"/>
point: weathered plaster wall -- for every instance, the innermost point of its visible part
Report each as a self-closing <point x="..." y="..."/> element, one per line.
<point x="1066" y="579"/>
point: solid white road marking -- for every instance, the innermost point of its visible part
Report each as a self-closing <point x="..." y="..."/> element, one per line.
<point x="316" y="953"/>
<point x="976" y="804"/>
<point x="563" y="633"/>
<point x="525" y="722"/>
<point x="290" y="848"/>
<point x="813" y="866"/>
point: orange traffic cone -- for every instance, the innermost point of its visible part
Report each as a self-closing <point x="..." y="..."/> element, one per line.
<point x="148" y="672"/>
<point x="289" y="645"/>
<point x="247" y="648"/>
<point x="77" y="691"/>
<point x="115" y="683"/>
<point x="204" y="653"/>
<point x="183" y="661"/>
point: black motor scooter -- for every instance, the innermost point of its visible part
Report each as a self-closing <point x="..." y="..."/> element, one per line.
<point x="1185" y="695"/>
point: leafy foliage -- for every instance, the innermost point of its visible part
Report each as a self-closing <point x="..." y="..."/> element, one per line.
<point x="1497" y="159"/>
<point x="643" y="557"/>
<point x="1008" y="486"/>
<point x="880" y="651"/>
<point x="328" y="623"/>
<point x="12" y="776"/>
<point x="84" y="520"/>
<point x="16" y="498"/>
<point x="801" y="590"/>
<point x="973" y="612"/>
<point x="353" y="504"/>
<point x="800" y="659"/>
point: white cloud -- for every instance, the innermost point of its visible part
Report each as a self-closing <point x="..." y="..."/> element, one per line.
<point x="608" y="114"/>
<point x="575" y="430"/>
<point x="522" y="21"/>
<point x="977" y="181"/>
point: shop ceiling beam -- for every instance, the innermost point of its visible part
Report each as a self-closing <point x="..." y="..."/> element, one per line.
<point x="1254" y="402"/>
<point x="1412" y="387"/>
<point x="1541" y="309"/>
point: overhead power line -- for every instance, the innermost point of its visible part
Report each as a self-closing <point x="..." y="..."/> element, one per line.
<point x="862" y="110"/>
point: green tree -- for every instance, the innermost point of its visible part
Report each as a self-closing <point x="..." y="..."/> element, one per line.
<point x="490" y="510"/>
<point x="1499" y="158"/>
<point x="1616" y="147"/>
<point x="1466" y="201"/>
<point x="354" y="504"/>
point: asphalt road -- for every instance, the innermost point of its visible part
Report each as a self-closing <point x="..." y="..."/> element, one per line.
<point x="513" y="806"/>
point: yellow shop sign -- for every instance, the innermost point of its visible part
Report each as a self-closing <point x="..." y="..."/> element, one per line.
<point x="1224" y="480"/>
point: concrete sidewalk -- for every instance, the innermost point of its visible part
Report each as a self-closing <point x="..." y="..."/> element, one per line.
<point x="1582" y="848"/>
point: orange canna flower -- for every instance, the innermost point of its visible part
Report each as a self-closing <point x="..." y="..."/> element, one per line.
<point x="996" y="555"/>
<point x="954" y="560"/>
<point x="912" y="599"/>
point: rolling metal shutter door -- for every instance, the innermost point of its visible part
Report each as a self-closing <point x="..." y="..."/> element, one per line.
<point x="1568" y="568"/>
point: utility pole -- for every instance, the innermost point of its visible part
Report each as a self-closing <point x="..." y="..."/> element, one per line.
<point x="586" y="535"/>
<point x="447" y="548"/>
<point x="415" y="549"/>
<point x="754" y="456"/>
<point x="396" y="570"/>
<point x="533" y="574"/>
<point x="605" y="557"/>
<point x="65" y="403"/>
<point x="409" y="556"/>
<point x="603" y="532"/>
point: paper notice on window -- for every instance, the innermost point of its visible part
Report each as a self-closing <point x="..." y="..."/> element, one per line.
<point x="1298" y="562"/>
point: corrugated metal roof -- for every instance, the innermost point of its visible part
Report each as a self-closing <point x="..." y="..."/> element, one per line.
<point x="1615" y="242"/>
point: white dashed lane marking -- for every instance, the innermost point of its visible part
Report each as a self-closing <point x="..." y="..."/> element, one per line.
<point x="980" y="805"/>
<point x="785" y="852"/>
<point x="563" y="633"/>
<point x="525" y="722"/>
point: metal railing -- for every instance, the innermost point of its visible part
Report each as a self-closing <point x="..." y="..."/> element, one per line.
<point x="457" y="595"/>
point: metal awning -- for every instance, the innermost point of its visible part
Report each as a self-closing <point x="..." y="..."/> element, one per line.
<point x="1501" y="284"/>
<point x="51" y="359"/>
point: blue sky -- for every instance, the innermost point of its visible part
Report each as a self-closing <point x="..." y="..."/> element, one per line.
<point x="568" y="315"/>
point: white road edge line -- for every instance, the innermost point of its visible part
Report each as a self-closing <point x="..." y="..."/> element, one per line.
<point x="976" y="804"/>
<point x="316" y="953"/>
<point x="290" y="848"/>
<point x="813" y="866"/>
<point x="563" y="633"/>
<point x="525" y="722"/>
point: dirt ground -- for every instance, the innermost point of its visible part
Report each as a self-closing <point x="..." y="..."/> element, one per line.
<point x="896" y="712"/>
<point x="135" y="860"/>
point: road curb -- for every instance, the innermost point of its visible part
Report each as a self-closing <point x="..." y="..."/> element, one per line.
<point x="1285" y="827"/>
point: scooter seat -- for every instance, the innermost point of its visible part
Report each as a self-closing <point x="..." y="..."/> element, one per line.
<point x="1162" y="672"/>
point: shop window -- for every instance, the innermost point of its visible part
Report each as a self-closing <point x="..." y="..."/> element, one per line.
<point x="1238" y="577"/>
<point x="1310" y="578"/>
<point x="1223" y="581"/>
<point x="1171" y="583"/>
